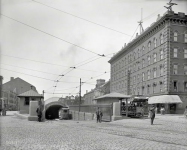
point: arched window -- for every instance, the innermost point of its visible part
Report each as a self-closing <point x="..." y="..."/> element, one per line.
<point x="155" y="42"/>
<point x="138" y="53"/>
<point x="143" y="50"/>
<point x="175" y="36"/>
<point x="161" y="38"/>
<point x="149" y="46"/>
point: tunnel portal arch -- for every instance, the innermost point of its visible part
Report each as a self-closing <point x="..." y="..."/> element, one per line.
<point x="52" y="110"/>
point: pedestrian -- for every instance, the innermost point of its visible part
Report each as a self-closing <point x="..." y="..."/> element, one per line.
<point x="39" y="113"/>
<point x="162" y="110"/>
<point x="152" y="114"/>
<point x="0" y="111"/>
<point x="98" y="115"/>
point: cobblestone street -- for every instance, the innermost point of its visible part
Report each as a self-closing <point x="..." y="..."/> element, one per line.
<point x="168" y="132"/>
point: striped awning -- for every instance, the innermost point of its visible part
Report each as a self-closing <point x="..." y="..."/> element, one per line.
<point x="164" y="99"/>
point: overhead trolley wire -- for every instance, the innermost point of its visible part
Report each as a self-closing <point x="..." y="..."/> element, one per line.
<point x="80" y="18"/>
<point x="45" y="62"/>
<point x="52" y="35"/>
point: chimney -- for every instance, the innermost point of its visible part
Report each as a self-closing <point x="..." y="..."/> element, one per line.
<point x="11" y="78"/>
<point x="136" y="34"/>
<point x="31" y="87"/>
<point x="86" y="91"/>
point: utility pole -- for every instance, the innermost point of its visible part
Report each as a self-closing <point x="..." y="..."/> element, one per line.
<point x="80" y="96"/>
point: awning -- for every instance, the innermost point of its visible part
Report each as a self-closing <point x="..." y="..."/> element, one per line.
<point x="114" y="95"/>
<point x="164" y="99"/>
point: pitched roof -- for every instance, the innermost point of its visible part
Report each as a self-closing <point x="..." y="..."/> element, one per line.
<point x="30" y="93"/>
<point x="114" y="95"/>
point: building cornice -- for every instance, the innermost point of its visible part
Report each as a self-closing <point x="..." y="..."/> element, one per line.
<point x="168" y="17"/>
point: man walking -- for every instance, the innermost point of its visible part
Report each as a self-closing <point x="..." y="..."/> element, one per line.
<point x="39" y="113"/>
<point x="98" y="115"/>
<point x="152" y="114"/>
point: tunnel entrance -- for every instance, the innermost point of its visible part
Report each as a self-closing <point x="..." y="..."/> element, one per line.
<point x="53" y="112"/>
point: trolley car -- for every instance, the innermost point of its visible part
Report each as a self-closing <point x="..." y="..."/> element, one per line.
<point x="137" y="107"/>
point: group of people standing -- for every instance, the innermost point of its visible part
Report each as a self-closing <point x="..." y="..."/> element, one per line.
<point x="99" y="115"/>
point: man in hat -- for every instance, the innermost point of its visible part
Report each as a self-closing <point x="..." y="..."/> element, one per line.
<point x="152" y="114"/>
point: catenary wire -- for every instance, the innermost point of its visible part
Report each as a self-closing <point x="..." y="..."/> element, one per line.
<point x="51" y="35"/>
<point x="80" y="18"/>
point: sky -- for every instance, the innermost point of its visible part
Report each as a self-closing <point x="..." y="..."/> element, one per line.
<point x="53" y="44"/>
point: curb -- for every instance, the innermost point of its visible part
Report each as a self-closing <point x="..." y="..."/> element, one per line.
<point x="21" y="116"/>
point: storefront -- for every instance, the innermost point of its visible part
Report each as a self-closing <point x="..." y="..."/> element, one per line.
<point x="169" y="102"/>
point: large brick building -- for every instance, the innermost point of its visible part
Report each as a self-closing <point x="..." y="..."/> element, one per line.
<point x="11" y="89"/>
<point x="155" y="62"/>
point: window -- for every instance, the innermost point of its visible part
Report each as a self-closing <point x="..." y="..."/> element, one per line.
<point x="143" y="76"/>
<point x="155" y="42"/>
<point x="154" y="73"/>
<point x="161" y="54"/>
<point x="185" y="53"/>
<point x="143" y="90"/>
<point x="143" y="50"/>
<point x="138" y="53"/>
<point x="148" y="89"/>
<point x="143" y="63"/>
<point x="161" y="38"/>
<point x="175" y="36"/>
<point x="154" y="87"/>
<point x="148" y="74"/>
<point x="154" y="55"/>
<point x="134" y="79"/>
<point x="175" y="69"/>
<point x="138" y="77"/>
<point x="149" y="60"/>
<point x="185" y="86"/>
<point x="149" y="46"/>
<point x="161" y="86"/>
<point x="185" y="69"/>
<point x="185" y="37"/>
<point x="175" y="85"/>
<point x="161" y="70"/>
<point x="26" y="100"/>
<point x="175" y="51"/>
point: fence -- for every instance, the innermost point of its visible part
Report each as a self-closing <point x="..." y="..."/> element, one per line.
<point x="89" y="111"/>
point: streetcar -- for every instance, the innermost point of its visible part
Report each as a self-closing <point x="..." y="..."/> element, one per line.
<point x="137" y="107"/>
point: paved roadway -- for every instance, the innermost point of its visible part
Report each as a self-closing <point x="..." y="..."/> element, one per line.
<point x="169" y="132"/>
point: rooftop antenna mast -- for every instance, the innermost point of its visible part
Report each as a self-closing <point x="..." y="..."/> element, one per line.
<point x="140" y="22"/>
<point x="170" y="5"/>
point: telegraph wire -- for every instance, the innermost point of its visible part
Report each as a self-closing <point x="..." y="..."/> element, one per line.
<point x="80" y="18"/>
<point x="52" y="35"/>
<point x="27" y="74"/>
<point x="33" y="60"/>
<point x="45" y="62"/>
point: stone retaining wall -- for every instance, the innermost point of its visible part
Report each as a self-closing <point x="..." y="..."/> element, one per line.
<point x="76" y="115"/>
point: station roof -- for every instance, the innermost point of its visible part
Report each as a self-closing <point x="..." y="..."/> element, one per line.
<point x="30" y="93"/>
<point x="114" y="95"/>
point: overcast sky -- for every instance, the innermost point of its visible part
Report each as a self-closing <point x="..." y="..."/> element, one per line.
<point x="42" y="39"/>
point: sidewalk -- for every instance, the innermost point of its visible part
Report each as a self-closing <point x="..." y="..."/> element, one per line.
<point x="21" y="116"/>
